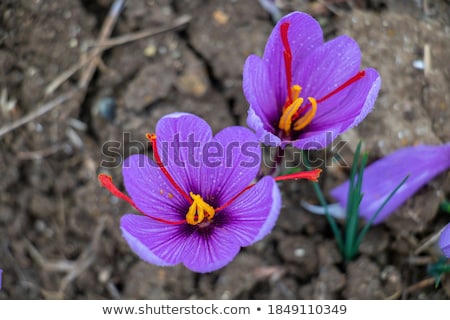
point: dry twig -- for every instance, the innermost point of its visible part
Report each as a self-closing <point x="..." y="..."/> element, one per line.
<point x="177" y="23"/>
<point x="420" y="285"/>
<point x="105" y="32"/>
<point x="86" y="258"/>
<point x="429" y="242"/>
<point x="110" y="43"/>
<point x="91" y="62"/>
<point x="39" y="154"/>
<point x="41" y="110"/>
<point x="72" y="268"/>
<point x="85" y="78"/>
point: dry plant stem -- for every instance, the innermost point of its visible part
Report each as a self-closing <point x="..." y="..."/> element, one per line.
<point x="420" y="285"/>
<point x="108" y="44"/>
<point x="52" y="86"/>
<point x="85" y="78"/>
<point x="86" y="258"/>
<point x="397" y="294"/>
<point x="331" y="7"/>
<point x="420" y="261"/>
<point x="9" y="258"/>
<point x="72" y="268"/>
<point x="52" y="266"/>
<point x="39" y="154"/>
<point x="41" y="110"/>
<point x="177" y="23"/>
<point x="105" y="32"/>
<point x="113" y="291"/>
<point x="432" y="240"/>
<point x="427" y="60"/>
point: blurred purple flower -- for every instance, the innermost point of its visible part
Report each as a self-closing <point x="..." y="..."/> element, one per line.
<point x="304" y="91"/>
<point x="194" y="213"/>
<point x="444" y="241"/>
<point x="422" y="163"/>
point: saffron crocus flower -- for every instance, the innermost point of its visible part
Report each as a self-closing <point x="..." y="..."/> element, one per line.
<point x="422" y="163"/>
<point x="444" y="241"/>
<point x="196" y="209"/>
<point x="306" y="92"/>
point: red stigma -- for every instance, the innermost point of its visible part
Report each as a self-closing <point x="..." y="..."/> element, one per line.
<point x="234" y="198"/>
<point x="361" y="74"/>
<point x="287" y="54"/>
<point x="347" y="83"/>
<point x="107" y="183"/>
<point x="152" y="138"/>
<point x="312" y="175"/>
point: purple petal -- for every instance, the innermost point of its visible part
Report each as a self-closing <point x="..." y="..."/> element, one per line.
<point x="150" y="189"/>
<point x="259" y="92"/>
<point x="153" y="241"/>
<point x="210" y="250"/>
<point x="253" y="215"/>
<point x="236" y="164"/>
<point x="328" y="67"/>
<point x="421" y="163"/>
<point x="304" y="35"/>
<point x="355" y="103"/>
<point x="200" y="250"/>
<point x="264" y="136"/>
<point x="444" y="241"/>
<point x="180" y="138"/>
<point x="247" y="220"/>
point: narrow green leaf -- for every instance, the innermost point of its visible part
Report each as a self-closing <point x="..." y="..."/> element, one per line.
<point x="320" y="196"/>
<point x="372" y="219"/>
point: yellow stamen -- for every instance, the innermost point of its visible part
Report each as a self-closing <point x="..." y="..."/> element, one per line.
<point x="199" y="210"/>
<point x="285" y="123"/>
<point x="307" y="118"/>
<point x="294" y="93"/>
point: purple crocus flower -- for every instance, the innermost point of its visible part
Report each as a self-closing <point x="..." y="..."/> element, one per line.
<point x="199" y="206"/>
<point x="422" y="163"/>
<point x="304" y="91"/>
<point x="444" y="241"/>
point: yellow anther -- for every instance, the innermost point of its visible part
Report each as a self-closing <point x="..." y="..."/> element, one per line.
<point x="295" y="92"/>
<point x="285" y="123"/>
<point x="307" y="118"/>
<point x="199" y="210"/>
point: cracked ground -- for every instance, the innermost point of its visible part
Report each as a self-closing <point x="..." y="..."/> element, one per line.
<point x="59" y="231"/>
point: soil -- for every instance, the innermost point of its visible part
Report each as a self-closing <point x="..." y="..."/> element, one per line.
<point x="59" y="231"/>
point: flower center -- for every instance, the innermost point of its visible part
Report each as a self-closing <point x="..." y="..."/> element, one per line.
<point x="295" y="116"/>
<point x="199" y="211"/>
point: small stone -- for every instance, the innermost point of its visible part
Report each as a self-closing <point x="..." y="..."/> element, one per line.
<point x="221" y="17"/>
<point x="301" y="253"/>
<point x="193" y="83"/>
<point x="150" y="51"/>
<point x="375" y="242"/>
<point x="363" y="280"/>
<point x="238" y="277"/>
